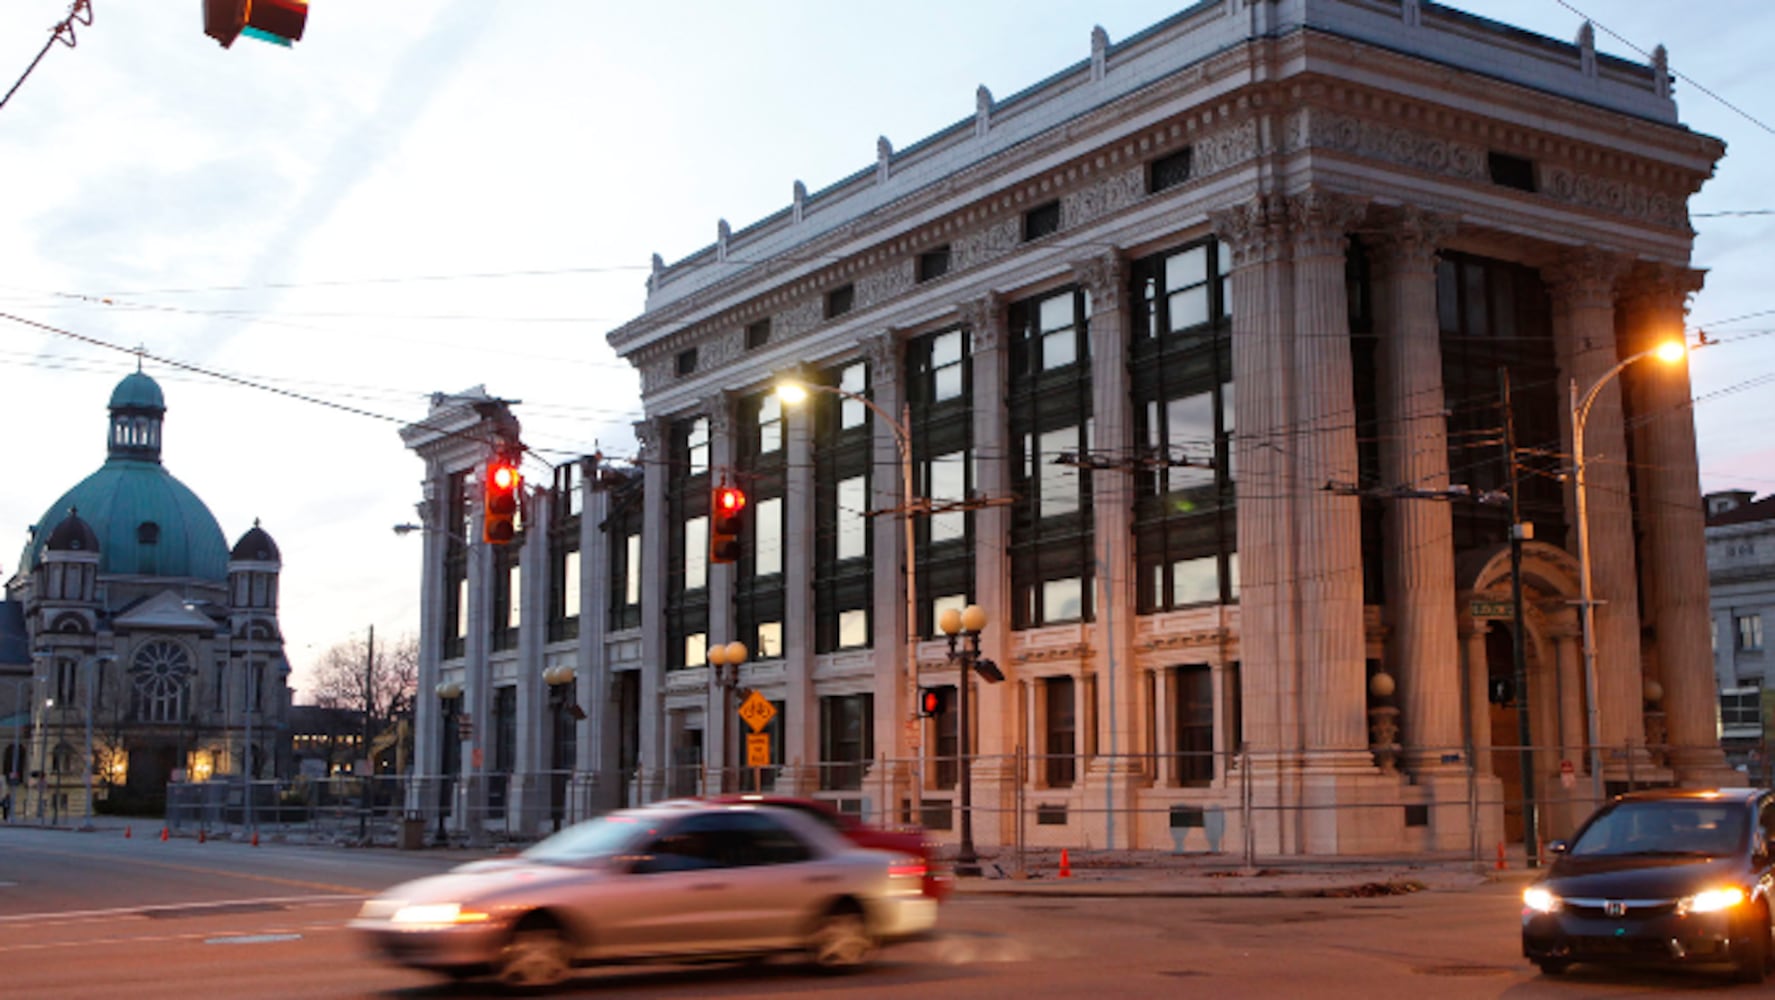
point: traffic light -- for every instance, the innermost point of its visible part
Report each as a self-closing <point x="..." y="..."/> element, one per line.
<point x="932" y="701"/>
<point x="725" y="505"/>
<point x="279" y="22"/>
<point x="504" y="485"/>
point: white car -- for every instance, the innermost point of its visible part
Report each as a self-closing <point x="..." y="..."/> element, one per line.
<point x="682" y="881"/>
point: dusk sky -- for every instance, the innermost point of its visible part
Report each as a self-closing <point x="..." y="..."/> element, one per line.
<point x="429" y="195"/>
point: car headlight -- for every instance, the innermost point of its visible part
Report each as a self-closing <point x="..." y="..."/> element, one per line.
<point x="436" y="914"/>
<point x="1540" y="900"/>
<point x="1711" y="900"/>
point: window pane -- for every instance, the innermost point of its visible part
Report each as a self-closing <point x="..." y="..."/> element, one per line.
<point x="769" y="528"/>
<point x="853" y="521"/>
<point x="1187" y="268"/>
<point x="853" y="379"/>
<point x="1059" y="483"/>
<point x="1190" y="435"/>
<point x="1056" y="313"/>
<point x="698" y="445"/>
<point x="513" y="603"/>
<point x="632" y="573"/>
<point x="946" y="349"/>
<point x="1189" y="307"/>
<point x="696" y="553"/>
<point x="461" y="608"/>
<point x="696" y="649"/>
<point x="570" y="585"/>
<point x="1232" y="575"/>
<point x="770" y="640"/>
<point x="944" y="603"/>
<point x="770" y="424"/>
<point x="1063" y="600"/>
<point x="853" y="629"/>
<point x="948" y="483"/>
<point x="1059" y="349"/>
<point x="946" y="383"/>
<point x="1195" y="581"/>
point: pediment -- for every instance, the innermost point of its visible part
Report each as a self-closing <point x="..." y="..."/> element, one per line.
<point x="165" y="611"/>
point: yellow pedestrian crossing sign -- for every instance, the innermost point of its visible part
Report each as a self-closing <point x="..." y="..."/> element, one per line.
<point x="757" y="711"/>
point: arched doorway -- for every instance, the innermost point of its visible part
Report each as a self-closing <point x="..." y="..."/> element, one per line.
<point x="1555" y="700"/>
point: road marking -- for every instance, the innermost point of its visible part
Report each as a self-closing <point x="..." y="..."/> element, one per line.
<point x="253" y="939"/>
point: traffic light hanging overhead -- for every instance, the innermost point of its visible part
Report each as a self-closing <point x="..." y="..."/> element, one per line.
<point x="503" y="487"/>
<point x="725" y="505"/>
<point x="279" y="22"/>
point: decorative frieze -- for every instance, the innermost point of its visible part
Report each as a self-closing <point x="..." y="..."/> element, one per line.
<point x="1110" y="194"/>
<point x="1603" y="194"/>
<point x="882" y="351"/>
<point x="880" y="286"/>
<point x="797" y="319"/>
<point x="988" y="243"/>
<point x="1320" y="129"/>
<point x="1194" y="639"/>
<point x="1049" y="654"/>
<point x="1223" y="150"/>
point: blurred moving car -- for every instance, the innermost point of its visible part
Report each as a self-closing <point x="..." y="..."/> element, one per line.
<point x="682" y="881"/>
<point x="938" y="880"/>
<point x="1667" y="877"/>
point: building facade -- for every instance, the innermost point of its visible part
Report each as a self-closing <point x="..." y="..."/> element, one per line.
<point x="1188" y="366"/>
<point x="1741" y="580"/>
<point x="154" y="649"/>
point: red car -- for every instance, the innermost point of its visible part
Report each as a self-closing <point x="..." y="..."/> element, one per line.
<point x="937" y="878"/>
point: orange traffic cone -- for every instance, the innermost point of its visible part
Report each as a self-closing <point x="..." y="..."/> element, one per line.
<point x="201" y="837"/>
<point x="1500" y="855"/>
<point x="164" y="835"/>
<point x="1065" y="865"/>
<point x="255" y="838"/>
<point x="126" y="832"/>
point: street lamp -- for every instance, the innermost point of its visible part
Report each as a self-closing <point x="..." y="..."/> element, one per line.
<point x="966" y="625"/>
<point x="724" y="665"/>
<point x="791" y="393"/>
<point x="1669" y="351"/>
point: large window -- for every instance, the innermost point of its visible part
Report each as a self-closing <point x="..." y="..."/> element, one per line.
<point x="456" y="515"/>
<point x="507" y="598"/>
<point x="942" y="417"/>
<point x="161" y="675"/>
<point x="622" y="526"/>
<point x="1750" y="633"/>
<point x="843" y="450"/>
<point x="687" y="558"/>
<point x="846" y="740"/>
<point x="1185" y="528"/>
<point x="1049" y="400"/>
<point x="563" y="607"/>
<point x="1060" y="713"/>
<point x="1193" y="712"/>
<point x="760" y="463"/>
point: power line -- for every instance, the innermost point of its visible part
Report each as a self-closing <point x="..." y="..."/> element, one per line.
<point x="79" y="13"/>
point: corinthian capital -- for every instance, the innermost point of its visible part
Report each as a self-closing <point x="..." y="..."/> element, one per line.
<point x="1319" y="222"/>
<point x="650" y="437"/>
<point x="1410" y="237"/>
<point x="1254" y="230"/>
<point x="1651" y="286"/>
<point x="985" y="319"/>
<point x="882" y="351"/>
<point x="1585" y="276"/>
<point x="1104" y="275"/>
<point x="723" y="413"/>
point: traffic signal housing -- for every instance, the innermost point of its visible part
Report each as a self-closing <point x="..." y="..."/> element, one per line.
<point x="503" y="487"/>
<point x="279" y="22"/>
<point x="725" y="505"/>
<point x="932" y="701"/>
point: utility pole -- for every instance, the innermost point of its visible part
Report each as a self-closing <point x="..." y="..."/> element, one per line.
<point x="369" y="695"/>
<point x="1518" y="531"/>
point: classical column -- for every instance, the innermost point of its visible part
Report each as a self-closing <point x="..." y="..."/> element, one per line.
<point x="428" y="724"/>
<point x="1419" y="538"/>
<point x="595" y="752"/>
<point x="1105" y="276"/>
<point x="1328" y="550"/>
<point x="801" y="721"/>
<point x="1583" y="286"/>
<point x="651" y="435"/>
<point x="984" y="320"/>
<point x="528" y="794"/>
<point x="1568" y="661"/>
<point x="890" y="623"/>
<point x="1674" y="525"/>
<point x="1478" y="702"/>
<point x="1255" y="232"/>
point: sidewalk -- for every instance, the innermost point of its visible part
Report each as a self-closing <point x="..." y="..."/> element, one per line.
<point x="1108" y="874"/>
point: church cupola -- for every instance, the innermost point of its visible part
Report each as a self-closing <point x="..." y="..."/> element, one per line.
<point x="69" y="569"/>
<point x="137" y="408"/>
<point x="253" y="567"/>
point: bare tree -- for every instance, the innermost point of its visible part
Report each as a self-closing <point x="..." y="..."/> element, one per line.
<point x="341" y="673"/>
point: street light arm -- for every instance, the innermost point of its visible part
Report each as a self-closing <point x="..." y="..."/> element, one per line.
<point x="796" y="390"/>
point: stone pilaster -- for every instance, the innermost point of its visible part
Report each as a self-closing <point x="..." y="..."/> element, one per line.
<point x="1255" y="232"/>
<point x="892" y="622"/>
<point x="1424" y="654"/>
<point x="654" y="760"/>
<point x="1583" y="286"/>
<point x="719" y="751"/>
<point x="1674" y="526"/>
<point x="1328" y="574"/>
<point x="801" y="725"/>
<point x="1478" y="702"/>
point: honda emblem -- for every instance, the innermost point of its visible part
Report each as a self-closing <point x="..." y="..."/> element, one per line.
<point x="1614" y="908"/>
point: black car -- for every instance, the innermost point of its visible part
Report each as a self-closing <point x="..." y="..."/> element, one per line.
<point x="1670" y="877"/>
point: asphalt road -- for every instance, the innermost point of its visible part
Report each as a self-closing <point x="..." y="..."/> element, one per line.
<point x="94" y="915"/>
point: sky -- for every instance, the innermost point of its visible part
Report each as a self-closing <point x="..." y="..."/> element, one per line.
<point x="428" y="195"/>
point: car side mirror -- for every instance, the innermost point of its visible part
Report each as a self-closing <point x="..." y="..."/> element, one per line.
<point x="1559" y="847"/>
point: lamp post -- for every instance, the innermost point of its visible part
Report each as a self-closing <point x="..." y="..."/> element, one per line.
<point x="448" y="692"/>
<point x="724" y="666"/>
<point x="1669" y="351"/>
<point x="92" y="662"/>
<point x="965" y="625"/>
<point x="792" y="393"/>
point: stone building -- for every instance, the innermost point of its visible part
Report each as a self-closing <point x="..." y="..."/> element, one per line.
<point x="1741" y="579"/>
<point x="143" y="628"/>
<point x="1194" y="354"/>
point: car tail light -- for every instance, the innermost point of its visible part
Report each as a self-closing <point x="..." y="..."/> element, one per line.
<point x="908" y="868"/>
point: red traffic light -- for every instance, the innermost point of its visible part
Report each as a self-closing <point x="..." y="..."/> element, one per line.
<point x="725" y="504"/>
<point x="503" y="487"/>
<point x="930" y="702"/>
<point x="279" y="22"/>
<point x="729" y="500"/>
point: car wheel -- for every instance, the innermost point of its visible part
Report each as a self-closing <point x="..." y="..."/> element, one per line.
<point x="537" y="956"/>
<point x="1751" y="964"/>
<point x="841" y="941"/>
<point x="1553" y="966"/>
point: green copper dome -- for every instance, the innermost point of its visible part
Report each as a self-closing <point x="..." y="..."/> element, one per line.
<point x="147" y="522"/>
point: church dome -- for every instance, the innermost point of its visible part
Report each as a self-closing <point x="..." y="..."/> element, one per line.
<point x="145" y="521"/>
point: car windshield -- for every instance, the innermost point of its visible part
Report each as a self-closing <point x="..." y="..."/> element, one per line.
<point x="1667" y="827"/>
<point x="596" y="838"/>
